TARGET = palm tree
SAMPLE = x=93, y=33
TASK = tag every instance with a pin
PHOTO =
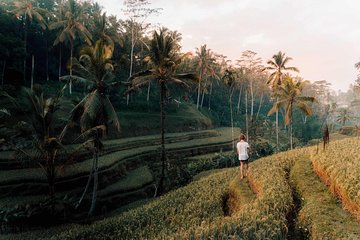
x=205, y=69
x=95, y=111
x=229, y=79
x=278, y=68
x=164, y=59
x=24, y=9
x=40, y=112
x=289, y=96
x=71, y=27
x=344, y=116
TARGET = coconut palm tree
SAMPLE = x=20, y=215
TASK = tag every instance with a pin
x=163, y=61
x=344, y=116
x=278, y=67
x=25, y=10
x=205, y=68
x=229, y=78
x=288, y=95
x=95, y=112
x=71, y=28
x=40, y=114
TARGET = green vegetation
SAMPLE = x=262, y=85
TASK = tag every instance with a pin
x=320, y=216
x=338, y=167
x=111, y=67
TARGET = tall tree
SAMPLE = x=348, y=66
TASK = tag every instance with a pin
x=252, y=65
x=230, y=80
x=205, y=68
x=289, y=96
x=71, y=28
x=163, y=61
x=95, y=112
x=277, y=66
x=137, y=11
x=25, y=11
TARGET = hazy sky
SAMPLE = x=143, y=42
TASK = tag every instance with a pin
x=322, y=36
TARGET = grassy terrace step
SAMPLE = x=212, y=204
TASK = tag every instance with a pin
x=7, y=160
x=339, y=168
x=112, y=160
x=240, y=194
x=321, y=214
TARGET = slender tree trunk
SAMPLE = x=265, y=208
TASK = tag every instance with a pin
x=3, y=73
x=199, y=90
x=32, y=72
x=291, y=136
x=60, y=61
x=148, y=92
x=239, y=100
x=252, y=99
x=246, y=115
x=87, y=184
x=277, y=126
x=203, y=93
x=232, y=121
x=47, y=61
x=95, y=186
x=210, y=94
x=162, y=127
x=131, y=58
x=261, y=100
x=71, y=64
x=25, y=48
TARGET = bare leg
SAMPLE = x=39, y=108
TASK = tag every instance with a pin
x=247, y=169
x=241, y=170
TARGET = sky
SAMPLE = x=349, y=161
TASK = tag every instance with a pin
x=322, y=36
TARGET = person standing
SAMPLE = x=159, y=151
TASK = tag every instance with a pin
x=242, y=150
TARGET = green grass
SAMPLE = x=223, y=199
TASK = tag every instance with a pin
x=321, y=214
x=338, y=166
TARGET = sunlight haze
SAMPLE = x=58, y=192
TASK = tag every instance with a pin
x=321, y=36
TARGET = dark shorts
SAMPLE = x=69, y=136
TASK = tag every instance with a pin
x=245, y=161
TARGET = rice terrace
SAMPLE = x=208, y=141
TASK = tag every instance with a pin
x=155, y=119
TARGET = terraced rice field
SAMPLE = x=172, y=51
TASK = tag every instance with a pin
x=289, y=195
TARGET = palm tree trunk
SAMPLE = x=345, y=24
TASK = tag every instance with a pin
x=252, y=99
x=60, y=62
x=291, y=135
x=261, y=100
x=131, y=58
x=210, y=94
x=148, y=92
x=277, y=127
x=32, y=73
x=3, y=73
x=47, y=61
x=25, y=46
x=246, y=115
x=232, y=122
x=162, y=127
x=239, y=100
x=71, y=64
x=95, y=186
x=203, y=93
x=87, y=185
x=199, y=90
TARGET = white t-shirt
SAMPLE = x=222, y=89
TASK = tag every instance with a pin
x=242, y=148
